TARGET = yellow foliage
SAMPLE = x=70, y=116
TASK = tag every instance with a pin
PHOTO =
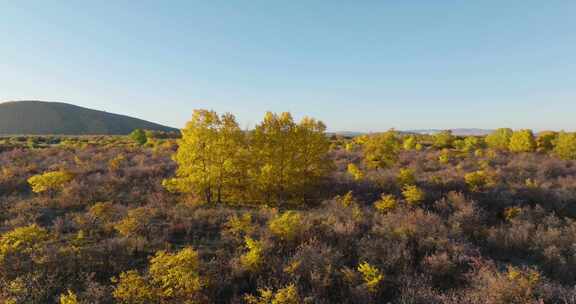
x=287, y=226
x=445, y=156
x=386, y=203
x=413, y=195
x=208, y=156
x=240, y=225
x=565, y=146
x=371, y=275
x=131, y=288
x=443, y=139
x=381, y=150
x=356, y=173
x=406, y=177
x=347, y=199
x=102, y=211
x=499, y=139
x=410, y=143
x=522, y=141
x=68, y=298
x=286, y=295
x=176, y=274
x=22, y=240
x=115, y=163
x=134, y=223
x=253, y=259
x=49, y=181
x=479, y=180
x=289, y=159
x=512, y=212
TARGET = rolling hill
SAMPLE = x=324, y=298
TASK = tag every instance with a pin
x=31, y=117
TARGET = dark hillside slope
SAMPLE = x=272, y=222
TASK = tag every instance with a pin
x=38, y=117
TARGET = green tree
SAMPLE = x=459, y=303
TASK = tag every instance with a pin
x=522, y=141
x=381, y=150
x=545, y=140
x=499, y=139
x=565, y=146
x=139, y=136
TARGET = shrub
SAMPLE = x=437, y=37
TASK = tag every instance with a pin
x=443, y=139
x=381, y=150
x=287, y=226
x=413, y=195
x=139, y=136
x=522, y=141
x=22, y=240
x=386, y=203
x=69, y=298
x=286, y=295
x=240, y=225
x=511, y=213
x=410, y=143
x=347, y=200
x=565, y=146
x=356, y=173
x=253, y=259
x=371, y=275
x=132, y=288
x=499, y=139
x=478, y=180
x=49, y=181
x=445, y=156
x=406, y=177
x=176, y=274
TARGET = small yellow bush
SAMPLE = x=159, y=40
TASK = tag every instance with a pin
x=406, y=177
x=253, y=259
x=413, y=195
x=49, y=181
x=239, y=226
x=287, y=226
x=356, y=173
x=371, y=275
x=132, y=288
x=347, y=200
x=68, y=298
x=478, y=180
x=286, y=295
x=511, y=213
x=176, y=274
x=386, y=203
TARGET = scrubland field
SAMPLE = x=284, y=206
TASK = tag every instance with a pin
x=286, y=214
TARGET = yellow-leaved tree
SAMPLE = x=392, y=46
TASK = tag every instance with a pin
x=522, y=141
x=288, y=159
x=381, y=150
x=565, y=146
x=499, y=139
x=208, y=157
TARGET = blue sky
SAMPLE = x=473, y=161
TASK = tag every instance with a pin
x=356, y=65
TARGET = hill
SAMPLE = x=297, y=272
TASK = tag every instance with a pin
x=30, y=117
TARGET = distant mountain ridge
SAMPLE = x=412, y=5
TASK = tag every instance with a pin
x=457, y=132
x=33, y=117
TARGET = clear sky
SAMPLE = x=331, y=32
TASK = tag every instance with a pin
x=357, y=65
